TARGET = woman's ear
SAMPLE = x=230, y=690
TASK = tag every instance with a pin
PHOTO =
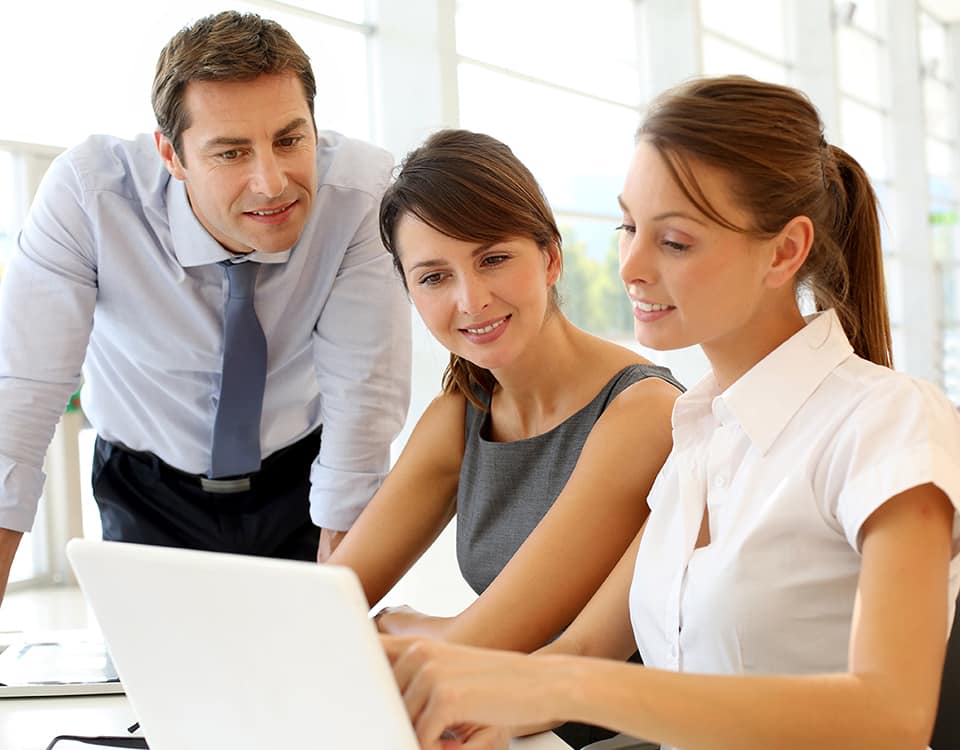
x=554, y=263
x=790, y=250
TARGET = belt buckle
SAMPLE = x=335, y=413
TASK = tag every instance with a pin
x=225, y=486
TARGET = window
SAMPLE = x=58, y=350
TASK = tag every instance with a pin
x=567, y=103
x=745, y=37
x=943, y=165
x=102, y=78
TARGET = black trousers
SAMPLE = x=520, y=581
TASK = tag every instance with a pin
x=144, y=500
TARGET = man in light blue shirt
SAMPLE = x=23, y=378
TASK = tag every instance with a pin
x=122, y=267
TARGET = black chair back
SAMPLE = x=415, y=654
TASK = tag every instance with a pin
x=946, y=731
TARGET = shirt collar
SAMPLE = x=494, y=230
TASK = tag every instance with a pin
x=193, y=244
x=765, y=398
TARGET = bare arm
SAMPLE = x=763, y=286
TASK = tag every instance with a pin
x=412, y=506
x=603, y=629
x=9, y=541
x=580, y=539
x=886, y=699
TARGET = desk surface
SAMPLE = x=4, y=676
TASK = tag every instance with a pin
x=30, y=723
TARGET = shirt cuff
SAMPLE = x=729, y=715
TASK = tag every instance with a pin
x=20, y=489
x=338, y=497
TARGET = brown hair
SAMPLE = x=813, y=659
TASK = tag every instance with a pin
x=470, y=187
x=769, y=139
x=227, y=46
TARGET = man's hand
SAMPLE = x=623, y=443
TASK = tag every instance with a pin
x=329, y=541
x=9, y=541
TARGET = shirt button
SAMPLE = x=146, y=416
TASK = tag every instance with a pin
x=719, y=481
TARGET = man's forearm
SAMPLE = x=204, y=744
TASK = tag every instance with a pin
x=9, y=541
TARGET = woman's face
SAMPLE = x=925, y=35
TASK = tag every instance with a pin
x=690, y=280
x=485, y=303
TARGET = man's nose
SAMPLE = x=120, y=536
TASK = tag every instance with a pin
x=268, y=178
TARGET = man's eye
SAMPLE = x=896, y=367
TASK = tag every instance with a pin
x=230, y=155
x=288, y=141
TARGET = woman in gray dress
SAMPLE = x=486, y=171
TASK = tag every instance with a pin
x=528, y=440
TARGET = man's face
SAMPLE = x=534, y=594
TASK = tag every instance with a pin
x=249, y=160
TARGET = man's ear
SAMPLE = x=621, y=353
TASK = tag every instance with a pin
x=169, y=155
x=790, y=250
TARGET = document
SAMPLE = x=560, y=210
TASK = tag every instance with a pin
x=65, y=664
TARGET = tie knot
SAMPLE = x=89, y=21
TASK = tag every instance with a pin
x=242, y=278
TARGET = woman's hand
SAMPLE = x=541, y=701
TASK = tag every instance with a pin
x=447, y=687
x=407, y=621
x=475, y=737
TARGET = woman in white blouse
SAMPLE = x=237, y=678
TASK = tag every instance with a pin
x=793, y=584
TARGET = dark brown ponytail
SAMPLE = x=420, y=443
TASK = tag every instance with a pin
x=860, y=295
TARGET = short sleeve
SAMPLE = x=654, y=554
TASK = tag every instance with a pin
x=904, y=434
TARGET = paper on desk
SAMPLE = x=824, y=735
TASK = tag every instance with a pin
x=56, y=662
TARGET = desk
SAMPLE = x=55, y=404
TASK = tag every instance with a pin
x=30, y=723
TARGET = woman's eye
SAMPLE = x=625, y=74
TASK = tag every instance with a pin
x=494, y=260
x=626, y=228
x=431, y=279
x=674, y=245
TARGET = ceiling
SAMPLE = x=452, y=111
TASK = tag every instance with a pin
x=945, y=10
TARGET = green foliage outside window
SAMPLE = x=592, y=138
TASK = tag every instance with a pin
x=591, y=292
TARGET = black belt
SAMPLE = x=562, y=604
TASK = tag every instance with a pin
x=302, y=451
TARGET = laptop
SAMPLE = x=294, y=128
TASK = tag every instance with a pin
x=239, y=652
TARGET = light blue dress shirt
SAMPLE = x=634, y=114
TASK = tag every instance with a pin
x=114, y=266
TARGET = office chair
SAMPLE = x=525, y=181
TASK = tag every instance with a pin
x=946, y=730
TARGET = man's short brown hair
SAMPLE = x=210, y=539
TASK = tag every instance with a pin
x=227, y=46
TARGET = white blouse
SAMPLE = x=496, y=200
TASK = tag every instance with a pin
x=790, y=461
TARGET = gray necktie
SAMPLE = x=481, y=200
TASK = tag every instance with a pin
x=236, y=429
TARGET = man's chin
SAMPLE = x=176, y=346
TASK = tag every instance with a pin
x=281, y=242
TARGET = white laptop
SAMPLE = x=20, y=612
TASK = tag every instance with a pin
x=229, y=651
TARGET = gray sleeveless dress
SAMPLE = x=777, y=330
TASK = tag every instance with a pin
x=506, y=488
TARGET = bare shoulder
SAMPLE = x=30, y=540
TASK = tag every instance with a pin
x=648, y=404
x=646, y=392
x=447, y=407
x=438, y=438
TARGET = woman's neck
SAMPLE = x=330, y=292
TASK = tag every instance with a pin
x=734, y=354
x=540, y=384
